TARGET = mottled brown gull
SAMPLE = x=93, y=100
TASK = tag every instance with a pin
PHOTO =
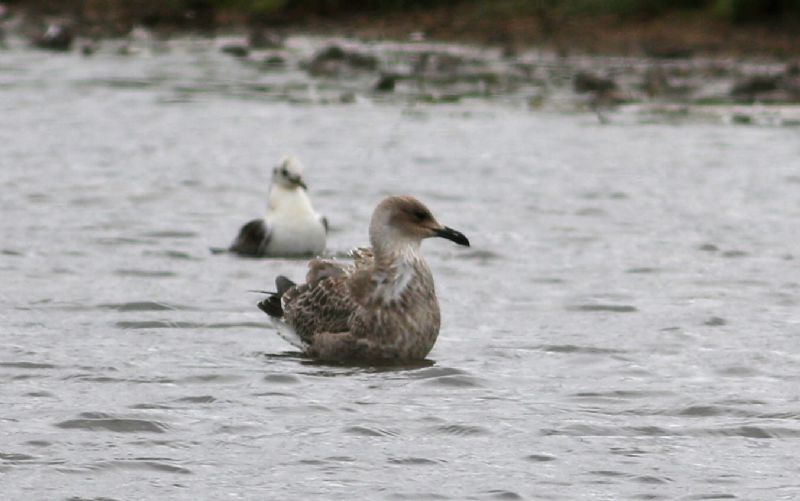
x=382, y=307
x=291, y=227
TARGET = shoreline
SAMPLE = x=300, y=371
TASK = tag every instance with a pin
x=670, y=35
x=377, y=59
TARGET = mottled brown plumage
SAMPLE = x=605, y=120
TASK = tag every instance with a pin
x=383, y=306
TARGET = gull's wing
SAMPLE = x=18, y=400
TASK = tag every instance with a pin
x=326, y=301
x=252, y=239
x=363, y=257
x=324, y=307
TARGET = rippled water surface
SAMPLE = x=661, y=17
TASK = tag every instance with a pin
x=625, y=325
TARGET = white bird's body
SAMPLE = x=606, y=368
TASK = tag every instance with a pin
x=295, y=228
x=291, y=227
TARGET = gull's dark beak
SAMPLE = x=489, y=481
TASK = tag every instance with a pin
x=451, y=234
x=298, y=181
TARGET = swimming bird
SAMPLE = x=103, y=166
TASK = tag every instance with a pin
x=291, y=227
x=382, y=307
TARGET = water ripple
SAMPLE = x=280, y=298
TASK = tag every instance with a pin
x=624, y=394
x=14, y=457
x=435, y=372
x=370, y=431
x=413, y=461
x=145, y=273
x=98, y=421
x=142, y=306
x=28, y=365
x=461, y=430
x=612, y=308
x=501, y=494
x=201, y=399
x=571, y=348
x=178, y=324
x=136, y=464
x=581, y=430
x=282, y=378
x=170, y=234
x=157, y=324
x=454, y=381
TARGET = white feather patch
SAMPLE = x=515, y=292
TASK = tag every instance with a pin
x=393, y=290
x=288, y=334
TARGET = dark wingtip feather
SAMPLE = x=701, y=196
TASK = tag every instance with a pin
x=283, y=284
x=272, y=306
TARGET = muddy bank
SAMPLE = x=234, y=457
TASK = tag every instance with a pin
x=416, y=68
x=660, y=30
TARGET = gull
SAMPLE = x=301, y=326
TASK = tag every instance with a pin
x=382, y=307
x=291, y=227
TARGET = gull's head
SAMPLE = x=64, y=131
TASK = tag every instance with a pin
x=400, y=221
x=289, y=174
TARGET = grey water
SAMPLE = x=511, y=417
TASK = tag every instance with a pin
x=624, y=326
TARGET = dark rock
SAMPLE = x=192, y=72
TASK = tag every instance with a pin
x=327, y=62
x=58, y=36
x=750, y=88
x=510, y=51
x=386, y=83
x=334, y=60
x=665, y=49
x=790, y=82
x=742, y=119
x=657, y=84
x=274, y=61
x=362, y=61
x=235, y=50
x=780, y=89
x=88, y=48
x=261, y=38
x=583, y=81
x=438, y=64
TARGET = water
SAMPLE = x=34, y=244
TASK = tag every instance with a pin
x=624, y=327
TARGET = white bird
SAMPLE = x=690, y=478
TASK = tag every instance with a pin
x=291, y=227
x=383, y=307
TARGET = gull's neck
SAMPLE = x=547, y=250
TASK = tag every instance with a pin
x=289, y=200
x=397, y=263
x=392, y=253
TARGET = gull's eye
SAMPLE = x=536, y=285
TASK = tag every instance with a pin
x=420, y=215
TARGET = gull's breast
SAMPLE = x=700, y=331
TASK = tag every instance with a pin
x=293, y=235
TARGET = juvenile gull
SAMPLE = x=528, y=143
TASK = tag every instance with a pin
x=382, y=307
x=291, y=227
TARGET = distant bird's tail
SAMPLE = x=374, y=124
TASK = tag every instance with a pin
x=272, y=305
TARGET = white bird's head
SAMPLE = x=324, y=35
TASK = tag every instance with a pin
x=403, y=220
x=288, y=174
